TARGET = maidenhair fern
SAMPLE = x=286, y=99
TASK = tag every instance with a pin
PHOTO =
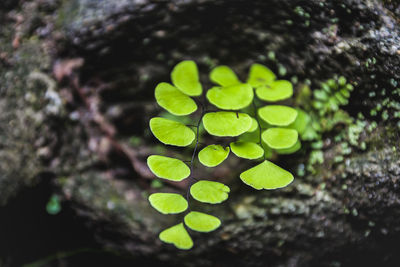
x=254, y=133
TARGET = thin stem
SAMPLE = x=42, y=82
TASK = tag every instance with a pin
x=212, y=110
x=200, y=104
x=194, y=151
x=259, y=126
x=197, y=142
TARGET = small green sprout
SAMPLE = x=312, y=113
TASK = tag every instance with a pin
x=324, y=114
x=333, y=93
x=53, y=206
x=254, y=132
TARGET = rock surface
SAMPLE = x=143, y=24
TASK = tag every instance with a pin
x=77, y=80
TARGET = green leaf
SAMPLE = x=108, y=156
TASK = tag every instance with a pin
x=254, y=125
x=290, y=150
x=266, y=175
x=250, y=136
x=254, y=137
x=201, y=222
x=171, y=132
x=224, y=123
x=178, y=236
x=260, y=76
x=310, y=134
x=233, y=97
x=247, y=150
x=213, y=155
x=168, y=168
x=224, y=76
x=209, y=192
x=185, y=77
x=279, y=138
x=173, y=100
x=301, y=122
x=168, y=203
x=276, y=91
x=278, y=115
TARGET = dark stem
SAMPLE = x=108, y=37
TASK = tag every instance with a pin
x=259, y=127
x=194, y=152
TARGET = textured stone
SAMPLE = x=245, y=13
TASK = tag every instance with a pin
x=347, y=213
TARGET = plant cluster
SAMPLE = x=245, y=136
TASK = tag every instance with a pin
x=324, y=113
x=389, y=108
x=253, y=131
x=332, y=94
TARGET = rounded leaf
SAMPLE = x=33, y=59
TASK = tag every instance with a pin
x=213, y=155
x=178, y=236
x=250, y=136
x=201, y=222
x=290, y=150
x=224, y=76
x=260, y=76
x=266, y=175
x=209, y=192
x=224, y=123
x=168, y=203
x=278, y=115
x=233, y=97
x=168, y=168
x=173, y=100
x=276, y=91
x=171, y=132
x=254, y=125
x=279, y=138
x=185, y=76
x=301, y=122
x=247, y=150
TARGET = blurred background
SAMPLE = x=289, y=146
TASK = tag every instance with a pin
x=77, y=82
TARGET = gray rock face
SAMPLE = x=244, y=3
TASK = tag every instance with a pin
x=345, y=214
x=141, y=41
